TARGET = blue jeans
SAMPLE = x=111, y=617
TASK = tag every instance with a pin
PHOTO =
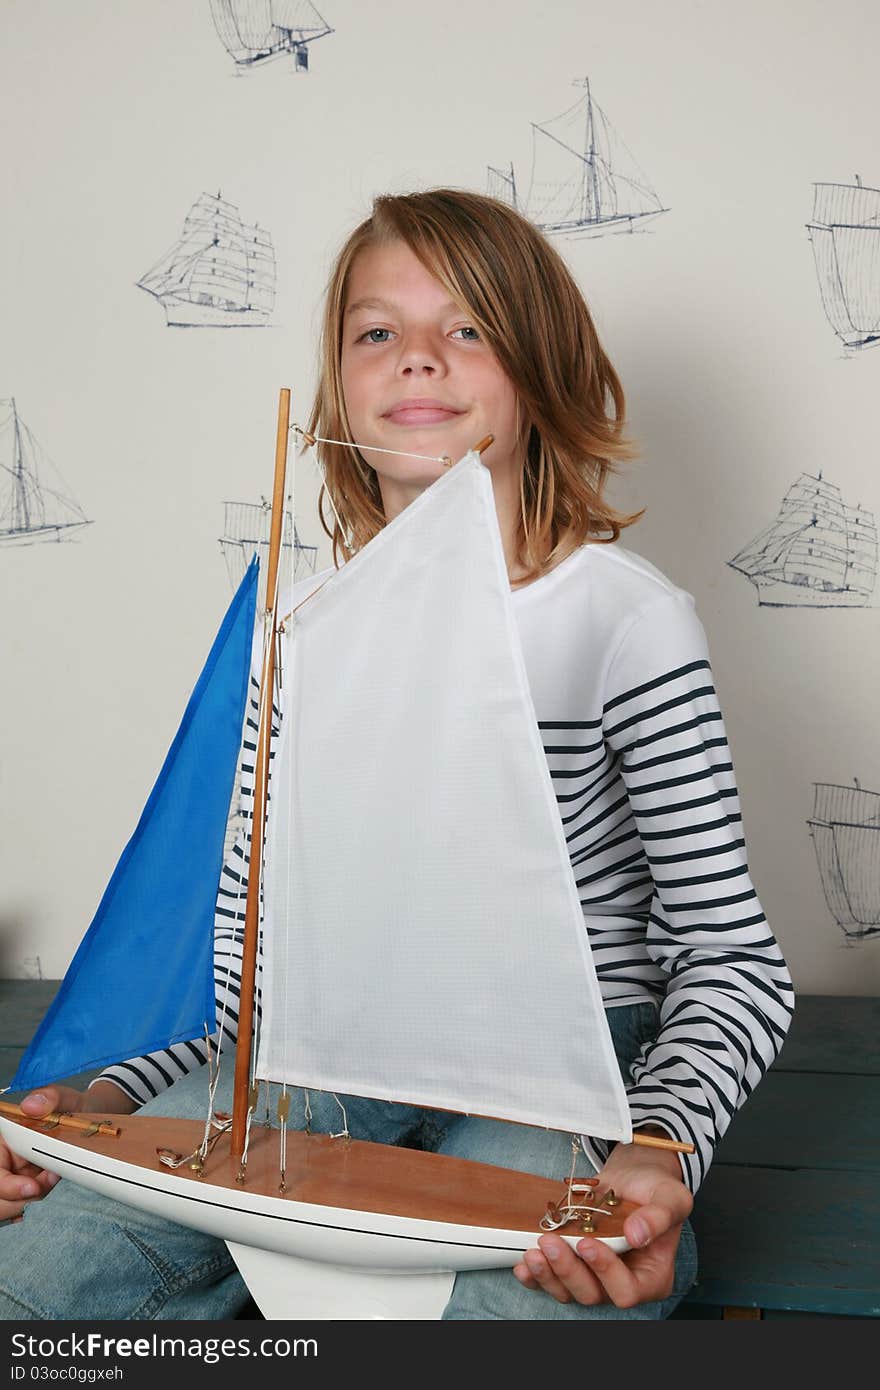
x=80, y=1256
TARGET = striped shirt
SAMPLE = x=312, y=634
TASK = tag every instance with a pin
x=621, y=682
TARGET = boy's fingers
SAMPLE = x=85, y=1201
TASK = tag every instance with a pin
x=42, y=1102
x=569, y=1277
x=649, y=1222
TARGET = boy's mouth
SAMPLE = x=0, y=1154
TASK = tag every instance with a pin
x=419, y=410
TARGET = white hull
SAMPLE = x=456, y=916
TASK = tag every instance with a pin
x=328, y=1256
x=284, y=1286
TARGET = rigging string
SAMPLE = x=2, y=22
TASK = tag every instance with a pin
x=214, y=1067
x=267, y=701
x=559, y=1214
x=269, y=634
x=214, y=1064
x=284, y=1098
x=310, y=439
x=197, y=1158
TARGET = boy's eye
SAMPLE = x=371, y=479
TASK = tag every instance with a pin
x=470, y=334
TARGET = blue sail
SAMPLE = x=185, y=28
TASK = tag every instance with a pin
x=143, y=975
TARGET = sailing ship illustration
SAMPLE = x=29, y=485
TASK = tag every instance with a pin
x=246, y=532
x=255, y=31
x=220, y=273
x=397, y=926
x=35, y=505
x=845, y=235
x=501, y=184
x=819, y=552
x=845, y=827
x=584, y=181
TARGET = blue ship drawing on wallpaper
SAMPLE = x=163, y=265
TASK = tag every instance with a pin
x=845, y=236
x=845, y=826
x=819, y=552
x=220, y=273
x=584, y=181
x=246, y=533
x=35, y=504
x=255, y=31
x=501, y=184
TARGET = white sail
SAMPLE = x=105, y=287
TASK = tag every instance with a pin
x=414, y=826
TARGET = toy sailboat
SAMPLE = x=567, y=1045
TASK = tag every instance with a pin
x=35, y=506
x=418, y=905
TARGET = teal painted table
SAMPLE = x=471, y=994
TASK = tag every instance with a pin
x=788, y=1220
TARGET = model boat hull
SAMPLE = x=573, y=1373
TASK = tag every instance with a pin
x=360, y=1206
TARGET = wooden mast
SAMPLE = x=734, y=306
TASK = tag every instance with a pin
x=241, y=1092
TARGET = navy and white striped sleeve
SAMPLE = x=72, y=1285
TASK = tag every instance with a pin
x=729, y=998
x=141, y=1078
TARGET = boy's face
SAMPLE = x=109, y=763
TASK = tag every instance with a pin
x=417, y=376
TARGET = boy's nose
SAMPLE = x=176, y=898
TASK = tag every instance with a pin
x=419, y=353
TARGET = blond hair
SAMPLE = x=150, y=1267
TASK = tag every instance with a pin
x=531, y=313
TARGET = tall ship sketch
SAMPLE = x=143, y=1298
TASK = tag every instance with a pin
x=220, y=273
x=584, y=181
x=254, y=31
x=845, y=826
x=818, y=553
x=246, y=527
x=246, y=533
x=845, y=236
x=501, y=184
x=34, y=503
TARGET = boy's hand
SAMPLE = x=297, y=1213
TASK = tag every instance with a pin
x=20, y=1180
x=592, y=1272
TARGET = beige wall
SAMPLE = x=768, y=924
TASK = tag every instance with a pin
x=120, y=115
